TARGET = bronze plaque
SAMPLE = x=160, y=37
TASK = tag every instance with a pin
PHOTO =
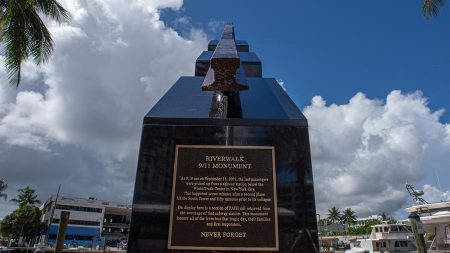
x=224, y=198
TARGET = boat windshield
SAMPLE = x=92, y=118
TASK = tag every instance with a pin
x=402, y=229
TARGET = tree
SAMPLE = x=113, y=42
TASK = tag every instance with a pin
x=368, y=225
x=24, y=34
x=324, y=222
x=388, y=219
x=3, y=187
x=383, y=216
x=349, y=216
x=6, y=226
x=27, y=196
x=24, y=221
x=334, y=215
x=430, y=8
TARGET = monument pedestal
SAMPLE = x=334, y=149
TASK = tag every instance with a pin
x=221, y=183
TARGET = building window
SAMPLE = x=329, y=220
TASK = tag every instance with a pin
x=79, y=208
x=80, y=222
x=401, y=244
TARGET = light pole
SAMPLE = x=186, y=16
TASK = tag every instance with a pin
x=320, y=226
x=51, y=215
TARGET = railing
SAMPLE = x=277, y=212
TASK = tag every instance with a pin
x=115, y=233
x=382, y=235
x=114, y=224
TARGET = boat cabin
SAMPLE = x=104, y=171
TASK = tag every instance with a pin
x=388, y=237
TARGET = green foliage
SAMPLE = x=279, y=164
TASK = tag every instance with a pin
x=368, y=225
x=24, y=34
x=349, y=216
x=430, y=8
x=333, y=233
x=27, y=196
x=388, y=219
x=3, y=187
x=324, y=222
x=364, y=229
x=24, y=221
x=6, y=226
x=334, y=215
x=383, y=216
x=357, y=230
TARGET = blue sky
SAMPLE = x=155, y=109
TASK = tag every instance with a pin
x=335, y=49
x=77, y=120
x=338, y=48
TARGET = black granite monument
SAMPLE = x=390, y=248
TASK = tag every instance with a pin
x=224, y=163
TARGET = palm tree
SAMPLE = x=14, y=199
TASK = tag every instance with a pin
x=334, y=215
x=430, y=8
x=349, y=216
x=26, y=196
x=23, y=33
x=3, y=187
x=388, y=219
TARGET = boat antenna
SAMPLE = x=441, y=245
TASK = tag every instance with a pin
x=416, y=194
x=438, y=181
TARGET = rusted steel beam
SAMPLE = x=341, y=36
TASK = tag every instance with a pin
x=225, y=73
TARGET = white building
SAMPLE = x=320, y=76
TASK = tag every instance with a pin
x=90, y=221
x=362, y=221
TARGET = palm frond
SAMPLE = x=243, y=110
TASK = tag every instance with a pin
x=53, y=9
x=430, y=8
x=3, y=187
x=24, y=33
x=41, y=44
x=15, y=40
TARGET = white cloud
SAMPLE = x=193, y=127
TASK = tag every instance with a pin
x=281, y=83
x=23, y=125
x=77, y=120
x=82, y=113
x=95, y=97
x=364, y=152
x=216, y=26
x=433, y=194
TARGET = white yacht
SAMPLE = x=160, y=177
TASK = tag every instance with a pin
x=386, y=238
x=435, y=218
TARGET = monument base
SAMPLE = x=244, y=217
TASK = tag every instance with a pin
x=154, y=182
